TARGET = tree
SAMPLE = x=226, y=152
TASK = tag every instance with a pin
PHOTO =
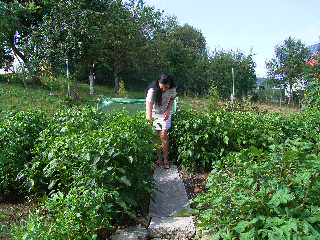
x=312, y=70
x=80, y=31
x=16, y=20
x=245, y=74
x=124, y=40
x=285, y=69
x=182, y=50
x=64, y=34
x=221, y=64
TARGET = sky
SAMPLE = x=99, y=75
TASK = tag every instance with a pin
x=248, y=25
x=257, y=25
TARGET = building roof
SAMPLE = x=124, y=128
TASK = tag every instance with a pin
x=315, y=49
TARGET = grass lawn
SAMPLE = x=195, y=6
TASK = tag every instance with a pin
x=52, y=95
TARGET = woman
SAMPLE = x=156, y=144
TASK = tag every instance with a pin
x=160, y=97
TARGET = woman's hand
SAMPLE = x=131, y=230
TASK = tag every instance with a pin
x=166, y=115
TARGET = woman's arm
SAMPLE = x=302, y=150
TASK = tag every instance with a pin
x=167, y=112
x=149, y=106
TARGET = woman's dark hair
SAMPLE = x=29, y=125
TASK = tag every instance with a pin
x=163, y=79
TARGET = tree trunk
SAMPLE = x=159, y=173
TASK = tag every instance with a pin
x=91, y=78
x=24, y=81
x=74, y=77
x=15, y=50
x=290, y=94
x=116, y=79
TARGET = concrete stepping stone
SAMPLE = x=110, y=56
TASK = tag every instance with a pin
x=171, y=228
x=169, y=201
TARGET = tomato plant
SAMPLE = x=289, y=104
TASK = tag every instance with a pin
x=93, y=167
x=261, y=195
x=18, y=133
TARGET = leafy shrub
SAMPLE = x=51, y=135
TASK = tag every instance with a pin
x=212, y=99
x=312, y=97
x=198, y=140
x=18, y=132
x=261, y=195
x=74, y=215
x=192, y=138
x=84, y=147
x=305, y=125
x=95, y=168
x=122, y=92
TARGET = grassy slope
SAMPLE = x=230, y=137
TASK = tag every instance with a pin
x=52, y=95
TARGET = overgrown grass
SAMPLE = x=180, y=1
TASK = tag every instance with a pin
x=51, y=95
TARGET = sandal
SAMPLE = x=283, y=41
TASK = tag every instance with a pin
x=166, y=165
x=156, y=164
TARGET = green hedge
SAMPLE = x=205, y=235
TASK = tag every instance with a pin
x=198, y=140
x=18, y=133
x=256, y=194
x=92, y=168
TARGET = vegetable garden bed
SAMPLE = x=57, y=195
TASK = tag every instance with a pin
x=91, y=170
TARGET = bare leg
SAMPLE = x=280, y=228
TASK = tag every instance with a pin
x=159, y=160
x=163, y=134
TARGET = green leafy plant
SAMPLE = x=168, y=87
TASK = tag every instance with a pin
x=84, y=147
x=95, y=169
x=212, y=99
x=261, y=195
x=18, y=133
x=122, y=92
x=201, y=139
x=75, y=215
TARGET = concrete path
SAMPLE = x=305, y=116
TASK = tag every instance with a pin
x=170, y=200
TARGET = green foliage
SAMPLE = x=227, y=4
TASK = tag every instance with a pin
x=18, y=133
x=287, y=67
x=122, y=92
x=185, y=54
x=95, y=168
x=74, y=215
x=220, y=72
x=89, y=148
x=16, y=19
x=259, y=195
x=312, y=98
x=198, y=140
x=212, y=99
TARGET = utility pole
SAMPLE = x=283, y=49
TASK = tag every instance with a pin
x=232, y=95
x=69, y=93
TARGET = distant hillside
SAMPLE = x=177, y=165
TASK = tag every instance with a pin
x=260, y=81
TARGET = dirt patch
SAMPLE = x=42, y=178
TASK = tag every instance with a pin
x=194, y=183
x=14, y=208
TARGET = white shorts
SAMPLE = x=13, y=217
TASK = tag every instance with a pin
x=159, y=122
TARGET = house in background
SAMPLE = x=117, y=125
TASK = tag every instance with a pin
x=315, y=50
x=313, y=60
